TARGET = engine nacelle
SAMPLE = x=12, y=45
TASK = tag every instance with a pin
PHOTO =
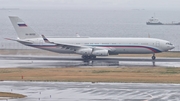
x=100, y=53
x=84, y=51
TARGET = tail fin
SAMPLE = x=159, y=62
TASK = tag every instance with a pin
x=22, y=29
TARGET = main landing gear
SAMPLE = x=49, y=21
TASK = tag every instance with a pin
x=153, y=57
x=88, y=57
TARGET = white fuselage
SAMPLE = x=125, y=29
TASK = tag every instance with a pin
x=86, y=46
x=113, y=45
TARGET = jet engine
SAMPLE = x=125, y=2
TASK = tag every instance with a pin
x=100, y=53
x=90, y=51
x=84, y=51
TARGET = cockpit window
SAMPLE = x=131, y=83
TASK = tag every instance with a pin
x=169, y=43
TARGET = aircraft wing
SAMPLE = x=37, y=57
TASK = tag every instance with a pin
x=65, y=45
x=81, y=49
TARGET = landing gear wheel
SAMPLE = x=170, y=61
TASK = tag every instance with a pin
x=93, y=57
x=88, y=57
x=153, y=57
x=83, y=56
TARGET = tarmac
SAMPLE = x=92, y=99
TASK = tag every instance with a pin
x=86, y=91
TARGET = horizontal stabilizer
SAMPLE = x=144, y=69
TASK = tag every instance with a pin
x=23, y=42
x=11, y=39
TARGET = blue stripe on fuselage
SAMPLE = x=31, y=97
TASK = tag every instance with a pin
x=128, y=46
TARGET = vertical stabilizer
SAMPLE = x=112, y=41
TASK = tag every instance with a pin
x=22, y=29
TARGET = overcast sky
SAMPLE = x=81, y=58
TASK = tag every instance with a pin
x=92, y=4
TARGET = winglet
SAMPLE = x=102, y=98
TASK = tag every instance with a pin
x=77, y=35
x=46, y=40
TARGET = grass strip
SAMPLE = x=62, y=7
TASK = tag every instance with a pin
x=94, y=74
x=11, y=95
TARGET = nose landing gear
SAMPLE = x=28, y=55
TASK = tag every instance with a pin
x=153, y=57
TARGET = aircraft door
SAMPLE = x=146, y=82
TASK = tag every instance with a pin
x=40, y=42
x=157, y=44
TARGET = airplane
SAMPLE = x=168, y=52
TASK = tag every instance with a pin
x=88, y=47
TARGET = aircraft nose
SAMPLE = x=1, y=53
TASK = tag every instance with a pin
x=172, y=47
